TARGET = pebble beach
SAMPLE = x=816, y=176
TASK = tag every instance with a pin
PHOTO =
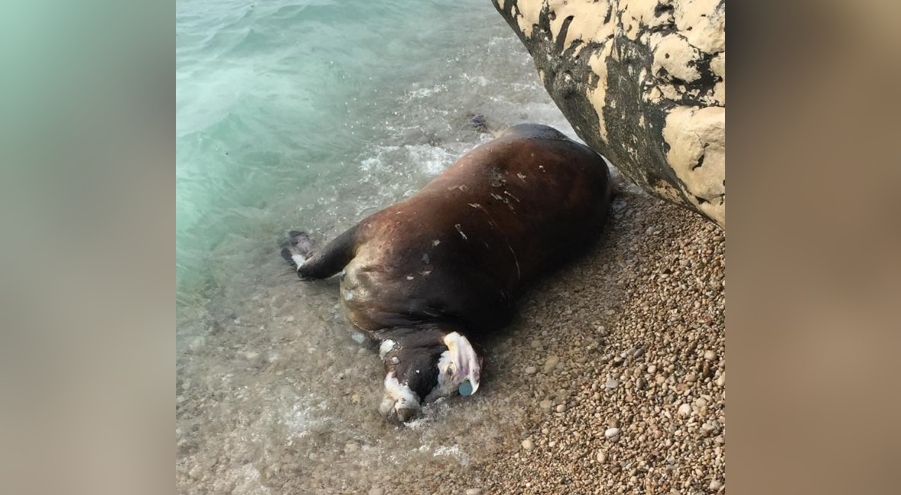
x=623, y=355
x=610, y=380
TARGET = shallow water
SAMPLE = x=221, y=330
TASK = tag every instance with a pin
x=311, y=115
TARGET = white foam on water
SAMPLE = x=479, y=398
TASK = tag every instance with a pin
x=430, y=160
x=453, y=451
x=425, y=92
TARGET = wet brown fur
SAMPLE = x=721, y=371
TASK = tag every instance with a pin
x=459, y=251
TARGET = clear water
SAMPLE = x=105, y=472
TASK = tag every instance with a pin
x=311, y=114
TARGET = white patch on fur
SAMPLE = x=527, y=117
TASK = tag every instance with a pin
x=446, y=386
x=298, y=260
x=385, y=347
x=397, y=396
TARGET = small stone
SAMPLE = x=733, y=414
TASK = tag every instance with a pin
x=474, y=491
x=551, y=363
x=351, y=447
x=652, y=369
x=531, y=370
x=253, y=357
x=708, y=428
x=561, y=408
x=611, y=384
x=691, y=378
x=289, y=319
x=376, y=491
x=612, y=433
x=609, y=312
x=710, y=355
x=546, y=404
x=355, y=398
x=684, y=410
x=601, y=457
x=528, y=444
x=715, y=485
x=721, y=380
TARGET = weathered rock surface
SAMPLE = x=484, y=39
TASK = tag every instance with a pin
x=642, y=82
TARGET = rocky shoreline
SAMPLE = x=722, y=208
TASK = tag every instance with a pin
x=611, y=380
x=630, y=397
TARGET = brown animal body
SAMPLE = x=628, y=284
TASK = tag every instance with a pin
x=445, y=265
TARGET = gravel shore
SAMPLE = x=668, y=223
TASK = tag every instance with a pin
x=636, y=401
x=611, y=380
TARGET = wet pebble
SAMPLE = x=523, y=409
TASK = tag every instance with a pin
x=531, y=370
x=684, y=410
x=612, y=433
x=601, y=457
x=561, y=408
x=551, y=363
x=528, y=444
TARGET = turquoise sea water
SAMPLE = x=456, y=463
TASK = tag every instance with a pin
x=310, y=113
